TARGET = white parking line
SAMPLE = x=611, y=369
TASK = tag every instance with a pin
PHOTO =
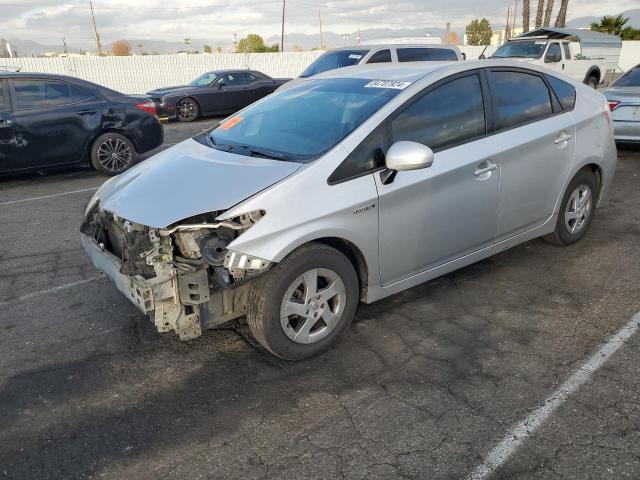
x=518, y=434
x=29, y=296
x=33, y=199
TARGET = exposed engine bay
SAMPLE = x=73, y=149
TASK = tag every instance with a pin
x=183, y=276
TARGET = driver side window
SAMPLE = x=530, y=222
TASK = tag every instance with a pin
x=553, y=52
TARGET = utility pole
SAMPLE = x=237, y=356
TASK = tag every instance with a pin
x=506, y=29
x=284, y=2
x=345, y=36
x=515, y=12
x=64, y=42
x=95, y=29
x=235, y=43
x=320, y=24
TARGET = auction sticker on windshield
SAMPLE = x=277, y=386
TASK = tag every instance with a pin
x=396, y=84
x=232, y=122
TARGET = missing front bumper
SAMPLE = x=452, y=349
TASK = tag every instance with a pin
x=185, y=303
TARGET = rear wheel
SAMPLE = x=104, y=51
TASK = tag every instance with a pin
x=577, y=209
x=112, y=153
x=187, y=110
x=301, y=306
x=592, y=81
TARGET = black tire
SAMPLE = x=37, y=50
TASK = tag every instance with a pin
x=187, y=110
x=562, y=235
x=592, y=81
x=267, y=293
x=112, y=153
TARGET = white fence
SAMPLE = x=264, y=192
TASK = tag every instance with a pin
x=139, y=74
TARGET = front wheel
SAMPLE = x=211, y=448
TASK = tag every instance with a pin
x=301, y=306
x=187, y=110
x=577, y=209
x=112, y=153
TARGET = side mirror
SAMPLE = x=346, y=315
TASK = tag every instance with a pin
x=464, y=55
x=404, y=156
x=221, y=84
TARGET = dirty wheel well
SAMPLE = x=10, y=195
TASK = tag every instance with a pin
x=355, y=256
x=595, y=169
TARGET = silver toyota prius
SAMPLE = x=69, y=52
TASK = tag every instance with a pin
x=349, y=187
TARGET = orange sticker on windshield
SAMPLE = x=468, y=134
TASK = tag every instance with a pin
x=232, y=122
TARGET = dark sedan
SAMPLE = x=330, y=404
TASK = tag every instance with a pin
x=221, y=92
x=52, y=120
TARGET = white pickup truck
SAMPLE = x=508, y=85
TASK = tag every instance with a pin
x=591, y=60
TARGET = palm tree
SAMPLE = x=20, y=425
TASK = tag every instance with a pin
x=547, y=13
x=539, y=13
x=611, y=25
x=561, y=19
x=525, y=15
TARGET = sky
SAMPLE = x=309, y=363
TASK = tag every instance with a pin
x=47, y=21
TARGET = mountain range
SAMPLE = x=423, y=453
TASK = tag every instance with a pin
x=301, y=40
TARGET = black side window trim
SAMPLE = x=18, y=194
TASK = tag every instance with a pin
x=556, y=108
x=12, y=94
x=6, y=106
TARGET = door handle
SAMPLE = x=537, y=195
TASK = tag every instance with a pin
x=489, y=168
x=564, y=137
x=86, y=112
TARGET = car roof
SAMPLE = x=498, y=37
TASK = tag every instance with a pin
x=413, y=71
x=393, y=45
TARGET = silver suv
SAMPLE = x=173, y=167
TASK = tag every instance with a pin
x=354, y=185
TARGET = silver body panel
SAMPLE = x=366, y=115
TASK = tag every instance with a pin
x=626, y=116
x=424, y=224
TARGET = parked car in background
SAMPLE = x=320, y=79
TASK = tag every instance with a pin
x=52, y=120
x=550, y=47
x=351, y=186
x=219, y=92
x=382, y=53
x=624, y=102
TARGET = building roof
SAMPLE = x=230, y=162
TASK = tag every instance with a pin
x=587, y=38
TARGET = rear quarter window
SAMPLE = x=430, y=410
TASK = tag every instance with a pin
x=564, y=91
x=426, y=55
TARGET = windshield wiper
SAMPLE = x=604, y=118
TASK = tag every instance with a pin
x=251, y=151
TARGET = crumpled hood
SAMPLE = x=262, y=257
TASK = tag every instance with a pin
x=168, y=90
x=185, y=180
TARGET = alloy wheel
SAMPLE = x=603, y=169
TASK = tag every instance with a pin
x=114, y=154
x=313, y=305
x=187, y=110
x=578, y=209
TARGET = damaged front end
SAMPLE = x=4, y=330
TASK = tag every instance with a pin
x=183, y=276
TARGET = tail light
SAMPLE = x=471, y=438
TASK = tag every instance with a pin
x=148, y=107
x=613, y=104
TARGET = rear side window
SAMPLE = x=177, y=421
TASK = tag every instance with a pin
x=519, y=98
x=383, y=56
x=564, y=91
x=46, y=93
x=446, y=116
x=426, y=55
x=367, y=156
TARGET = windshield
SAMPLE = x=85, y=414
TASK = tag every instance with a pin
x=629, y=79
x=333, y=60
x=204, y=80
x=304, y=122
x=521, y=49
